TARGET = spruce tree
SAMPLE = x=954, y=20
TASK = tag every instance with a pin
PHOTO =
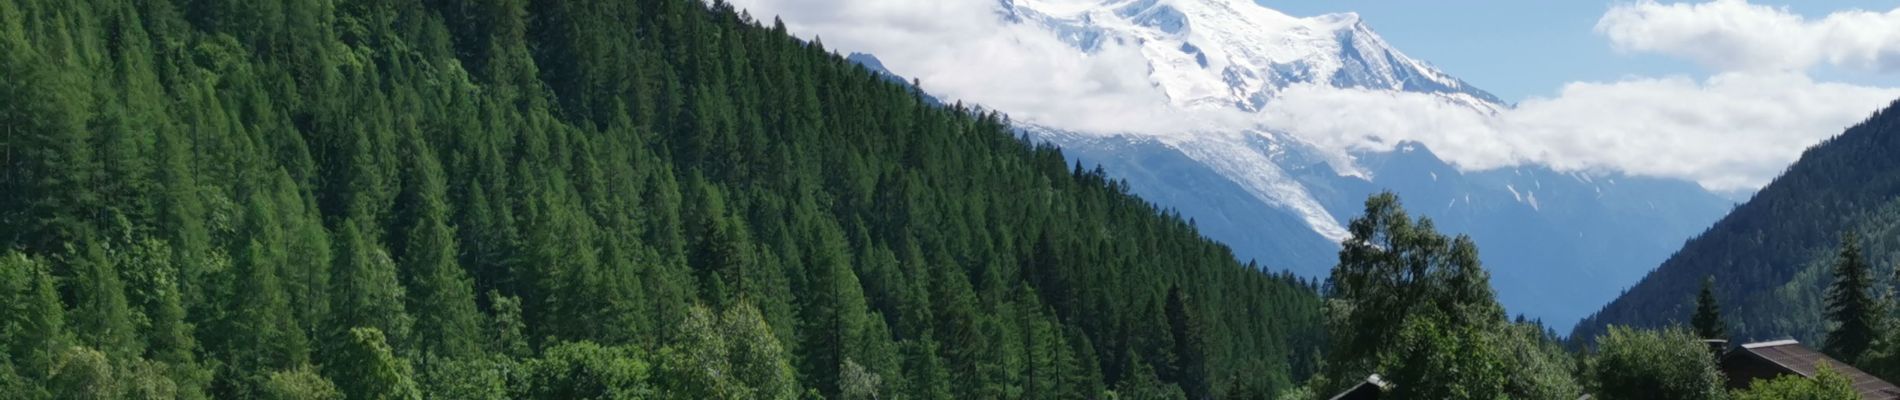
x=440, y=295
x=259, y=333
x=1850, y=304
x=102, y=317
x=1708, y=315
x=33, y=324
x=364, y=290
x=1190, y=362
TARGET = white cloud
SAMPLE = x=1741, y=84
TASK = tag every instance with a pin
x=1733, y=35
x=1731, y=131
x=1734, y=130
x=962, y=49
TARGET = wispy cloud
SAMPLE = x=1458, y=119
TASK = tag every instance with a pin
x=1735, y=129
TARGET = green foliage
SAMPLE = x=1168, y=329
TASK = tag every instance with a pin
x=1415, y=307
x=84, y=373
x=1541, y=368
x=302, y=383
x=1824, y=385
x=1636, y=364
x=366, y=369
x=583, y=370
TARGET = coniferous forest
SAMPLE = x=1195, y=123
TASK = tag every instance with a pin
x=631, y=199
x=314, y=199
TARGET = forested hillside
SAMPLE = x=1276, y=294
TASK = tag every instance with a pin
x=1771, y=257
x=568, y=199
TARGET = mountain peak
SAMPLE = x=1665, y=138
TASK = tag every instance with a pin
x=1343, y=19
x=1238, y=54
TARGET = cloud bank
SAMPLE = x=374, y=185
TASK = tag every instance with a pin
x=1732, y=130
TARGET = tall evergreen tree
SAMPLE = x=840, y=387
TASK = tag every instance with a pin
x=1708, y=314
x=1190, y=363
x=102, y=317
x=1850, y=303
x=259, y=332
x=365, y=291
x=440, y=293
x=33, y=326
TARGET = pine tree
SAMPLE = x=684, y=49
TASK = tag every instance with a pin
x=440, y=295
x=721, y=254
x=833, y=312
x=153, y=277
x=507, y=329
x=1708, y=315
x=929, y=377
x=49, y=168
x=1850, y=304
x=364, y=290
x=102, y=317
x=1190, y=363
x=260, y=331
x=33, y=325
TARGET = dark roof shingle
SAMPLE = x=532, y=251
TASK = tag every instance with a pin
x=1798, y=359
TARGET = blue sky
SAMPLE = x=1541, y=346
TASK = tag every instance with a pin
x=1519, y=48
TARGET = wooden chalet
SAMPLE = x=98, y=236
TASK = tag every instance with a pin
x=1769, y=360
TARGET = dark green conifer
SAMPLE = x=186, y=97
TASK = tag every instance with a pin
x=364, y=290
x=1708, y=314
x=1850, y=303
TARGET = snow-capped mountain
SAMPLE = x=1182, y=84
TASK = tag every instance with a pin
x=1234, y=53
x=1558, y=243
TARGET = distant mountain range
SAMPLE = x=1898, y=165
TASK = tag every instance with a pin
x=1559, y=243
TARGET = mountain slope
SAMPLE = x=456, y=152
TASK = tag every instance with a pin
x=1565, y=241
x=568, y=199
x=1770, y=256
x=1558, y=244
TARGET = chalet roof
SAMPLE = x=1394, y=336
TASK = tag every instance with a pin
x=1368, y=389
x=1795, y=358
